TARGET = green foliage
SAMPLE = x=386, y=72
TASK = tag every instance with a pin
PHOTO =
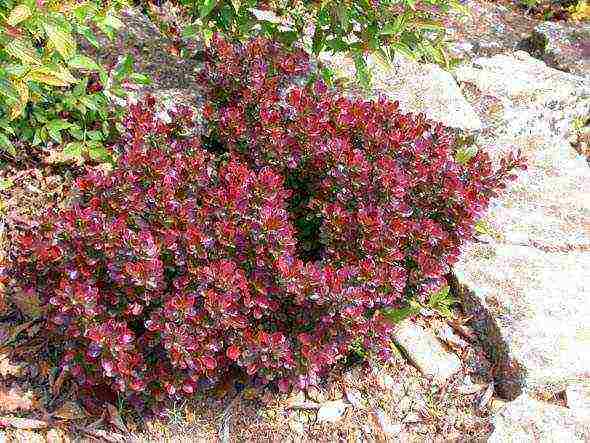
x=440, y=302
x=48, y=89
x=355, y=27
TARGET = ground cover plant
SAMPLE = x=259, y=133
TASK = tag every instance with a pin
x=274, y=245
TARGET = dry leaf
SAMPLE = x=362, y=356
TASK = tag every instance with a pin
x=70, y=411
x=115, y=418
x=486, y=396
x=57, y=436
x=13, y=332
x=22, y=423
x=7, y=368
x=59, y=381
x=13, y=399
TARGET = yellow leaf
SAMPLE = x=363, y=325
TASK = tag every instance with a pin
x=18, y=14
x=47, y=76
x=18, y=108
x=62, y=40
x=23, y=50
x=70, y=411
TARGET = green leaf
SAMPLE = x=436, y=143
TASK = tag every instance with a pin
x=19, y=14
x=58, y=124
x=83, y=62
x=464, y=154
x=362, y=70
x=207, y=7
x=8, y=90
x=7, y=145
x=5, y=183
x=400, y=314
x=99, y=152
x=23, y=51
x=61, y=39
x=89, y=35
x=318, y=41
x=125, y=67
x=73, y=151
x=55, y=135
x=190, y=31
x=140, y=79
x=396, y=27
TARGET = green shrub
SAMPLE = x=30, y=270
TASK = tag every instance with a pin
x=351, y=26
x=49, y=90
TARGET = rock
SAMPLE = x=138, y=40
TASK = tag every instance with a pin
x=56, y=436
x=383, y=423
x=419, y=88
x=578, y=398
x=331, y=411
x=526, y=420
x=487, y=28
x=296, y=426
x=173, y=77
x=354, y=397
x=530, y=97
x=446, y=333
x=425, y=351
x=565, y=46
x=529, y=285
x=412, y=417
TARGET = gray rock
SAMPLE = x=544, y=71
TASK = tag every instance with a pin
x=425, y=351
x=533, y=98
x=526, y=420
x=384, y=423
x=419, y=88
x=565, y=46
x=530, y=282
x=578, y=398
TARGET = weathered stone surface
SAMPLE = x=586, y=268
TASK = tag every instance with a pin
x=487, y=28
x=173, y=77
x=425, y=351
x=565, y=46
x=530, y=280
x=419, y=88
x=426, y=88
x=526, y=420
x=534, y=98
x=331, y=411
x=578, y=398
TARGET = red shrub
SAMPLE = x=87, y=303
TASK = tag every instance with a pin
x=179, y=264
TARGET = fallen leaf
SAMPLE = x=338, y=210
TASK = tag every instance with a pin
x=13, y=331
x=23, y=423
x=59, y=381
x=115, y=418
x=13, y=399
x=486, y=396
x=56, y=436
x=70, y=411
x=7, y=368
x=105, y=435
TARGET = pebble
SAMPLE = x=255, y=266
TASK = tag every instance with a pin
x=331, y=411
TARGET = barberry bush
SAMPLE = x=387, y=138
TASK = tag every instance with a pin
x=273, y=245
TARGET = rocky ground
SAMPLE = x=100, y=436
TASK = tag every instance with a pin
x=511, y=365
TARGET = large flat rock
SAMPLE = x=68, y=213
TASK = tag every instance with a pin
x=530, y=279
x=418, y=87
x=527, y=420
